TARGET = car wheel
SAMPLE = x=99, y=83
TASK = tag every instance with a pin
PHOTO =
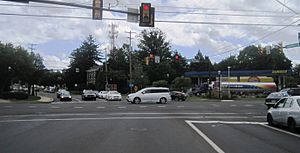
x=291, y=125
x=137, y=100
x=163, y=100
x=270, y=119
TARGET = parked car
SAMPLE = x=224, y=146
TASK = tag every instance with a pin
x=65, y=95
x=88, y=95
x=113, y=95
x=286, y=112
x=59, y=92
x=152, y=94
x=197, y=91
x=177, y=95
x=272, y=98
x=102, y=94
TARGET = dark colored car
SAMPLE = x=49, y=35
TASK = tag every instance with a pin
x=177, y=95
x=274, y=97
x=89, y=95
x=65, y=95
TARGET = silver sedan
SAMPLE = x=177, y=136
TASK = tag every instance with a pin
x=286, y=112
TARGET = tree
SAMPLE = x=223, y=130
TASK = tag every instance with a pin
x=181, y=83
x=16, y=64
x=201, y=63
x=82, y=59
x=231, y=61
x=153, y=41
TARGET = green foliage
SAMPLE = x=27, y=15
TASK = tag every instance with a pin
x=160, y=83
x=201, y=63
x=181, y=83
x=82, y=58
x=16, y=64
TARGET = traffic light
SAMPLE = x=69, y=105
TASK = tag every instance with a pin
x=177, y=57
x=97, y=9
x=151, y=56
x=147, y=60
x=147, y=15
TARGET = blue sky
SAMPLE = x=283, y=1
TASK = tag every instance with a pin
x=56, y=38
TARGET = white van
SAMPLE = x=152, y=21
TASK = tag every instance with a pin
x=152, y=94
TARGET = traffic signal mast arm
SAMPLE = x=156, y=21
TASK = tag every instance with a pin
x=71, y=4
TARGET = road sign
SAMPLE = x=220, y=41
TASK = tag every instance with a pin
x=292, y=45
x=133, y=16
x=131, y=85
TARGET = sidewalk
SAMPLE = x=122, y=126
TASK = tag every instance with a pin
x=45, y=99
x=4, y=101
x=42, y=100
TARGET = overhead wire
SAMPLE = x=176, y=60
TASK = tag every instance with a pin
x=263, y=37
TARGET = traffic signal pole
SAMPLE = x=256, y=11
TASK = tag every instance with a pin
x=72, y=5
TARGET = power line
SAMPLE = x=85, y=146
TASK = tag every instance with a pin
x=160, y=21
x=265, y=36
x=287, y=7
x=222, y=14
x=161, y=12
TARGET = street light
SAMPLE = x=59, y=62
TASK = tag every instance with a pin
x=229, y=94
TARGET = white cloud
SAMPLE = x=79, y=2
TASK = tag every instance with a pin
x=216, y=38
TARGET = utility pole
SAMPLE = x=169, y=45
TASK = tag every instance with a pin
x=106, y=77
x=113, y=34
x=130, y=59
x=32, y=47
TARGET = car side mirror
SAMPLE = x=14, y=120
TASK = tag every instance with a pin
x=143, y=92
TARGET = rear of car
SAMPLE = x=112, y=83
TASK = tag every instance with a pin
x=102, y=94
x=286, y=112
x=177, y=95
x=274, y=97
x=113, y=95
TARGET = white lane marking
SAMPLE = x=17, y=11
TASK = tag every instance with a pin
x=180, y=106
x=232, y=105
x=46, y=115
x=78, y=107
x=248, y=105
x=173, y=113
x=227, y=100
x=215, y=105
x=7, y=106
x=209, y=141
x=55, y=107
x=228, y=122
x=264, y=124
x=143, y=106
x=161, y=106
x=31, y=106
x=122, y=107
x=77, y=99
x=286, y=132
x=100, y=107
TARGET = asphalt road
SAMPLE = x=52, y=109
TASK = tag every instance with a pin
x=121, y=127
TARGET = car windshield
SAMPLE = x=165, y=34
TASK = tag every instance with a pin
x=113, y=92
x=104, y=92
x=90, y=92
x=275, y=95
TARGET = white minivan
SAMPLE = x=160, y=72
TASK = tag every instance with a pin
x=151, y=94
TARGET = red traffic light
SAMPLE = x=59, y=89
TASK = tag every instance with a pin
x=146, y=7
x=177, y=57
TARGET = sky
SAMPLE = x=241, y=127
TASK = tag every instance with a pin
x=55, y=38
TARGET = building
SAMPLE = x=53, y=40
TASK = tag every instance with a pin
x=92, y=74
